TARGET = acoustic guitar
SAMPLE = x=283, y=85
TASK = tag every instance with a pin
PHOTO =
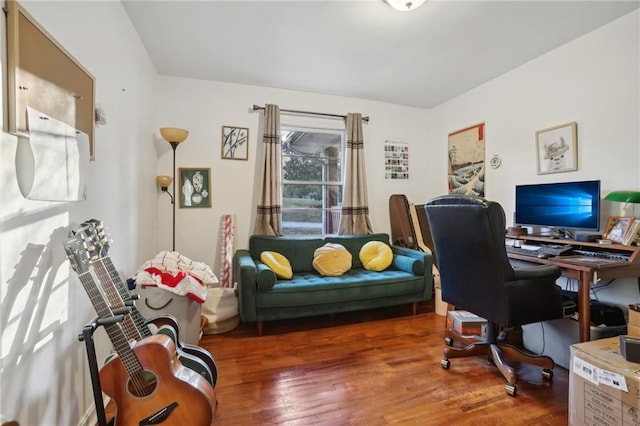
x=146, y=381
x=98, y=244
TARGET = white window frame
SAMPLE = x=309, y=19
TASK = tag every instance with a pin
x=318, y=126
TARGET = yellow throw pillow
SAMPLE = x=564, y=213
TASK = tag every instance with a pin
x=376, y=256
x=332, y=260
x=277, y=263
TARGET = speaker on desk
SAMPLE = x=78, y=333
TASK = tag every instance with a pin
x=587, y=237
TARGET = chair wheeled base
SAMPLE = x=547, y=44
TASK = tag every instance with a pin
x=496, y=353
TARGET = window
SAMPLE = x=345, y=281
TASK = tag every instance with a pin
x=311, y=180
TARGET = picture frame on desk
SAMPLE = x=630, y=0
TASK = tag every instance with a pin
x=632, y=233
x=617, y=228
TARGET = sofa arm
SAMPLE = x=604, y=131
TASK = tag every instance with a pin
x=401, y=253
x=246, y=271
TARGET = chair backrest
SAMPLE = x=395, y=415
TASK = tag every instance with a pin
x=468, y=235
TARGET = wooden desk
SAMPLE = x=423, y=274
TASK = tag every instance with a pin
x=585, y=272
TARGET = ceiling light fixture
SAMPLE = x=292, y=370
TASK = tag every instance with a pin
x=405, y=5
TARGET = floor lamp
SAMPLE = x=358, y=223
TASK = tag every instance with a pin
x=174, y=136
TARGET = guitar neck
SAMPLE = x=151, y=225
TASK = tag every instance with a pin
x=137, y=318
x=115, y=300
x=116, y=335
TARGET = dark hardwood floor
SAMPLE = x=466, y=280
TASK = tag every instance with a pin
x=374, y=367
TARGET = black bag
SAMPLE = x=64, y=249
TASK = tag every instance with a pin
x=608, y=315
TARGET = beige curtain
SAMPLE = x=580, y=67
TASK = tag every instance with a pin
x=269, y=209
x=355, y=206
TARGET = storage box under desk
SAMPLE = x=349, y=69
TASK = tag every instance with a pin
x=554, y=338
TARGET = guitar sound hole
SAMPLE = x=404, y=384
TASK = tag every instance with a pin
x=142, y=385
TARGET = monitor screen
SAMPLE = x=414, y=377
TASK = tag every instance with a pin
x=562, y=205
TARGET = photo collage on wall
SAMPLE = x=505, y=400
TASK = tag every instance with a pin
x=396, y=159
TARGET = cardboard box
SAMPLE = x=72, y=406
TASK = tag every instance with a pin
x=634, y=323
x=633, y=331
x=603, y=386
x=465, y=322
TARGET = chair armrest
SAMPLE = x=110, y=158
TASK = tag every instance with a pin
x=537, y=272
x=246, y=271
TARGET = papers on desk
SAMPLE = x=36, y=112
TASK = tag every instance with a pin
x=511, y=243
x=592, y=261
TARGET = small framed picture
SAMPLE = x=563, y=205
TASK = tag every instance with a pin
x=557, y=148
x=617, y=228
x=195, y=187
x=235, y=143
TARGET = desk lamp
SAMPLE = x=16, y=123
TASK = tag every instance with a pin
x=174, y=136
x=632, y=197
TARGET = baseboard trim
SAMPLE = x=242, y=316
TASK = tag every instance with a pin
x=90, y=417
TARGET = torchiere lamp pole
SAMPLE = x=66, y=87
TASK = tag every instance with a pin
x=174, y=136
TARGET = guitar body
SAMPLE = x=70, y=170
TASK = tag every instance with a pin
x=187, y=359
x=166, y=324
x=190, y=361
x=177, y=396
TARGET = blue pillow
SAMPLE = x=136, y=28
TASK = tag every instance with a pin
x=408, y=264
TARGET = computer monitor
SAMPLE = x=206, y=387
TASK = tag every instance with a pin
x=560, y=206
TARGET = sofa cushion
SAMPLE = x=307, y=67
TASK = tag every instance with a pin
x=299, y=251
x=376, y=256
x=309, y=289
x=331, y=260
x=277, y=263
x=353, y=243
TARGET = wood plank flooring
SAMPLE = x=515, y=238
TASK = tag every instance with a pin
x=376, y=367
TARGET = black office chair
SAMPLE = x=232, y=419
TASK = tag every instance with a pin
x=469, y=239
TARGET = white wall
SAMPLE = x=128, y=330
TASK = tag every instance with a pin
x=44, y=376
x=203, y=107
x=593, y=81
x=44, y=379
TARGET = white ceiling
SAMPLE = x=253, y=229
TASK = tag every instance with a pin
x=361, y=49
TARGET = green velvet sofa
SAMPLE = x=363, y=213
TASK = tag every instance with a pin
x=263, y=297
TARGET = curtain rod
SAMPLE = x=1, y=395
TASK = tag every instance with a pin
x=293, y=111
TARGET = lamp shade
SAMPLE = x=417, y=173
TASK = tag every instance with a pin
x=163, y=181
x=405, y=5
x=174, y=134
x=624, y=196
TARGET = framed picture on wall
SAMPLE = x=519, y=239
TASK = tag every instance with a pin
x=557, y=149
x=195, y=187
x=466, y=149
x=235, y=143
